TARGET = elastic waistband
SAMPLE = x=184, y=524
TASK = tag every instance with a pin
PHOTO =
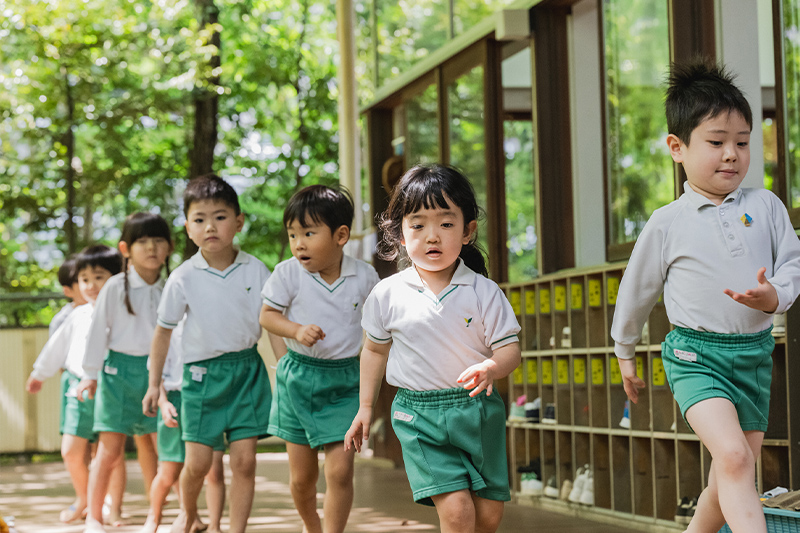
x=741, y=340
x=437, y=398
x=231, y=357
x=325, y=363
x=132, y=358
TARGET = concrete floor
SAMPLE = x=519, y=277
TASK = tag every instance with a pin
x=35, y=493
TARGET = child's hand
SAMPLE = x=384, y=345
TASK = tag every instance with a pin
x=359, y=429
x=479, y=377
x=630, y=381
x=86, y=385
x=33, y=385
x=763, y=297
x=169, y=414
x=150, y=402
x=309, y=334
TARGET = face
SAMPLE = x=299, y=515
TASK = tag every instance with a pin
x=212, y=225
x=317, y=247
x=147, y=253
x=91, y=280
x=433, y=237
x=717, y=157
x=73, y=292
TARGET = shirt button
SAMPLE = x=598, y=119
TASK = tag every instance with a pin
x=731, y=237
x=725, y=224
x=722, y=212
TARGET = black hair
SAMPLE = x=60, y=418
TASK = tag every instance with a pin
x=698, y=90
x=428, y=187
x=99, y=255
x=332, y=206
x=135, y=227
x=210, y=187
x=67, y=274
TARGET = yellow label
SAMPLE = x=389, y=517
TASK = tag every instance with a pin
x=515, y=302
x=547, y=372
x=612, y=286
x=530, y=302
x=614, y=374
x=533, y=371
x=579, y=371
x=598, y=371
x=518, y=376
x=640, y=366
x=595, y=293
x=544, y=301
x=562, y=369
x=576, y=295
x=560, y=298
x=659, y=377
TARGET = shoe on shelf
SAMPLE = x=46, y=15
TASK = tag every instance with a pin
x=779, y=325
x=517, y=411
x=530, y=484
x=566, y=488
x=685, y=510
x=551, y=489
x=777, y=491
x=587, y=495
x=532, y=410
x=626, y=416
x=549, y=414
x=577, y=486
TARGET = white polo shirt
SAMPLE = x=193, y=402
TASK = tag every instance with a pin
x=436, y=337
x=306, y=298
x=693, y=250
x=114, y=328
x=172, y=375
x=66, y=347
x=59, y=318
x=221, y=308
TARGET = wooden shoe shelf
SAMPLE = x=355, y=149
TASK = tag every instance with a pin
x=639, y=473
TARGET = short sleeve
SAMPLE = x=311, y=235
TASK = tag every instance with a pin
x=499, y=322
x=279, y=289
x=173, y=303
x=372, y=320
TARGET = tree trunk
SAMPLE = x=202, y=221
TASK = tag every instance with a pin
x=69, y=143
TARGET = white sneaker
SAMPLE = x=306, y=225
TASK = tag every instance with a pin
x=93, y=526
x=551, y=490
x=577, y=485
x=531, y=485
x=587, y=496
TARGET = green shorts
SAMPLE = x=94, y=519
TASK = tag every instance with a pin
x=78, y=417
x=171, y=447
x=701, y=365
x=227, y=396
x=65, y=375
x=315, y=400
x=452, y=442
x=121, y=387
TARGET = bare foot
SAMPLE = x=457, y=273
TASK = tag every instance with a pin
x=199, y=526
x=114, y=519
x=179, y=523
x=75, y=511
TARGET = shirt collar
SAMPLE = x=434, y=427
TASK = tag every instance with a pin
x=135, y=281
x=198, y=261
x=462, y=276
x=698, y=200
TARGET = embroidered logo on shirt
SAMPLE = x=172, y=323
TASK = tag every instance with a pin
x=355, y=306
x=747, y=220
x=468, y=321
x=686, y=356
x=405, y=417
x=248, y=289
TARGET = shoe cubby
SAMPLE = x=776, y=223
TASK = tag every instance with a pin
x=641, y=469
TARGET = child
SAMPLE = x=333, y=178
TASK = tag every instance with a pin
x=65, y=348
x=703, y=250
x=118, y=343
x=68, y=278
x=225, y=388
x=314, y=301
x=438, y=328
x=172, y=451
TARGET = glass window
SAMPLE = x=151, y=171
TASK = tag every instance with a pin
x=791, y=45
x=467, y=136
x=467, y=13
x=639, y=166
x=422, y=141
x=520, y=200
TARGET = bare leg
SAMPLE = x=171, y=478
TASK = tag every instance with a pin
x=243, y=468
x=168, y=474
x=339, y=481
x=456, y=511
x=108, y=458
x=116, y=493
x=215, y=493
x=488, y=514
x=716, y=423
x=198, y=462
x=75, y=452
x=303, y=474
x=148, y=458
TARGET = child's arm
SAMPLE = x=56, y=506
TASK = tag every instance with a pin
x=763, y=298
x=158, y=355
x=52, y=358
x=631, y=382
x=275, y=321
x=168, y=411
x=481, y=376
x=373, y=367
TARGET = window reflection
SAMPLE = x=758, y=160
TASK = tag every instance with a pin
x=791, y=44
x=520, y=200
x=423, y=128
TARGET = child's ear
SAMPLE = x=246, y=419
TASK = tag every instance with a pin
x=469, y=230
x=341, y=235
x=239, y=222
x=675, y=146
x=123, y=249
x=68, y=292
